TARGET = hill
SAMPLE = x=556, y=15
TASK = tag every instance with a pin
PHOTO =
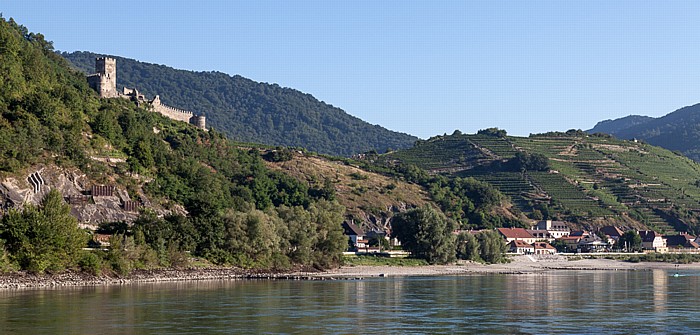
x=676, y=131
x=621, y=124
x=370, y=199
x=590, y=179
x=163, y=190
x=146, y=191
x=250, y=111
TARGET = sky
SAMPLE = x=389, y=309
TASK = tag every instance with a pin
x=419, y=67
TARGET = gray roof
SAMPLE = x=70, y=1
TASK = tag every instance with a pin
x=352, y=229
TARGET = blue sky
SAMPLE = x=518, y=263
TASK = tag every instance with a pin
x=420, y=67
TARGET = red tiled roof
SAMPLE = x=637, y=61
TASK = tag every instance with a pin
x=543, y=245
x=611, y=231
x=520, y=244
x=515, y=233
x=570, y=238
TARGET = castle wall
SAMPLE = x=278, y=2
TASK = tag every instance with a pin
x=104, y=81
x=171, y=112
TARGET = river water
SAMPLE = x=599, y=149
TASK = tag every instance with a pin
x=575, y=302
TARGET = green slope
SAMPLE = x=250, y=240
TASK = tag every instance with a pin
x=250, y=111
x=238, y=211
x=593, y=180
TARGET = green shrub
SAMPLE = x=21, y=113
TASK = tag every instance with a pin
x=91, y=263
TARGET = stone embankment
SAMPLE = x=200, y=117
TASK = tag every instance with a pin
x=19, y=280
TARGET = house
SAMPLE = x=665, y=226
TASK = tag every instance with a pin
x=682, y=241
x=556, y=229
x=541, y=234
x=592, y=243
x=355, y=235
x=612, y=231
x=516, y=234
x=544, y=248
x=571, y=242
x=652, y=240
x=100, y=240
x=580, y=233
x=520, y=247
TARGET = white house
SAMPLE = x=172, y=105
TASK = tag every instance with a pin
x=652, y=240
x=356, y=235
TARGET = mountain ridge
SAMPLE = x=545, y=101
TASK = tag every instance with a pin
x=250, y=111
x=675, y=131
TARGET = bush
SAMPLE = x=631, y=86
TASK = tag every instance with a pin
x=90, y=263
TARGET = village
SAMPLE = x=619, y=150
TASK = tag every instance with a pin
x=544, y=237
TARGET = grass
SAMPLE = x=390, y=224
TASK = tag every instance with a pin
x=665, y=258
x=383, y=261
x=355, y=189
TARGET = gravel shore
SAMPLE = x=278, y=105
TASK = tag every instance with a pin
x=518, y=265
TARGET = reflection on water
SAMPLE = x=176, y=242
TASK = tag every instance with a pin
x=561, y=302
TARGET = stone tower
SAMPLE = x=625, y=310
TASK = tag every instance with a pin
x=200, y=121
x=104, y=81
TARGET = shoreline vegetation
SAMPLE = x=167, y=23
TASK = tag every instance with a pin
x=519, y=265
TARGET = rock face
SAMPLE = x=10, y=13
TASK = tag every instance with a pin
x=76, y=189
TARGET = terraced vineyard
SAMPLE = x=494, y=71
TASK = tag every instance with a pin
x=499, y=146
x=442, y=153
x=591, y=178
x=512, y=184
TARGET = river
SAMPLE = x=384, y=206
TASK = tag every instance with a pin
x=568, y=302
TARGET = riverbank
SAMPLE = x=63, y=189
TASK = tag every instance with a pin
x=518, y=265
x=19, y=280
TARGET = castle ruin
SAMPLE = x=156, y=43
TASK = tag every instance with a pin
x=104, y=81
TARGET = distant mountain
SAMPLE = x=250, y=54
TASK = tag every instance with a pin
x=618, y=125
x=676, y=131
x=250, y=111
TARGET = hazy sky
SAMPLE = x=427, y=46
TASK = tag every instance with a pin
x=423, y=68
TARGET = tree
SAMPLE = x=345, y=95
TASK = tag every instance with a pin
x=494, y=132
x=43, y=238
x=467, y=247
x=378, y=241
x=300, y=234
x=559, y=244
x=426, y=233
x=630, y=240
x=523, y=161
x=491, y=246
x=251, y=238
x=330, y=240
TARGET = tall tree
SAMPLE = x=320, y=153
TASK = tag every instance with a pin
x=492, y=248
x=467, y=247
x=426, y=233
x=630, y=240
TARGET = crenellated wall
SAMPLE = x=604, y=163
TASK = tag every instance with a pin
x=104, y=81
x=171, y=112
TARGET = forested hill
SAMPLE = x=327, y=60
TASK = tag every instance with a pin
x=250, y=111
x=676, y=131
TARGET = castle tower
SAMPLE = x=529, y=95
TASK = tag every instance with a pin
x=104, y=81
x=201, y=122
